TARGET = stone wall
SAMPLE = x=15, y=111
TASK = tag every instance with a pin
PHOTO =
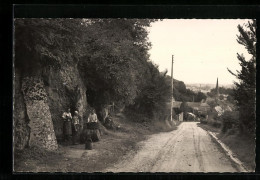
x=40, y=121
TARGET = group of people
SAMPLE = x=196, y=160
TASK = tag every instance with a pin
x=72, y=126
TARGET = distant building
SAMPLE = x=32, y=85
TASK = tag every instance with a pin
x=197, y=107
x=179, y=117
x=219, y=110
x=176, y=111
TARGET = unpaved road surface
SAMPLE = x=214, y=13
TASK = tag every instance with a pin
x=187, y=149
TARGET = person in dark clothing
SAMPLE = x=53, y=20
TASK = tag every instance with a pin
x=67, y=129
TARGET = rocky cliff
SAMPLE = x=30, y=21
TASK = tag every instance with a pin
x=40, y=99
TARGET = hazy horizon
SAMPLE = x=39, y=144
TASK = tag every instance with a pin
x=203, y=49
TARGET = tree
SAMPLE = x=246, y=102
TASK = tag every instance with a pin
x=111, y=56
x=210, y=94
x=245, y=88
x=200, y=96
x=222, y=90
x=153, y=95
x=229, y=120
x=47, y=42
x=230, y=98
x=113, y=67
x=212, y=104
x=185, y=109
x=181, y=93
x=109, y=53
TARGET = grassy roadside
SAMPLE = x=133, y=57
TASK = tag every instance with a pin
x=241, y=145
x=110, y=150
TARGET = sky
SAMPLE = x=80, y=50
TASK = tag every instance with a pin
x=202, y=49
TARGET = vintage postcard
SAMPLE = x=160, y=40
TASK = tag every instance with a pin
x=134, y=95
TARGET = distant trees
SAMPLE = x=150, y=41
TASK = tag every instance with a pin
x=181, y=93
x=212, y=104
x=200, y=96
x=222, y=90
x=245, y=88
x=230, y=99
x=210, y=94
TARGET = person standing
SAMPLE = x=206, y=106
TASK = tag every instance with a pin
x=67, y=130
x=75, y=127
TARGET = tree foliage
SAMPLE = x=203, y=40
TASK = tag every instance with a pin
x=154, y=93
x=113, y=67
x=222, y=90
x=109, y=52
x=200, y=96
x=46, y=42
x=181, y=93
x=245, y=88
x=111, y=56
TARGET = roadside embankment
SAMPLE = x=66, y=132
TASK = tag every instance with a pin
x=240, y=148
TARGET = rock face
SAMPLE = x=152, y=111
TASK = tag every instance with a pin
x=21, y=130
x=41, y=126
x=65, y=89
x=40, y=100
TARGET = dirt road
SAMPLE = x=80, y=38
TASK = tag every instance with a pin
x=187, y=149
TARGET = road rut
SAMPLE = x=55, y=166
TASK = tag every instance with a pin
x=187, y=149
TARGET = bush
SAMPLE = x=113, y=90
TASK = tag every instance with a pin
x=215, y=116
x=230, y=98
x=203, y=121
x=232, y=131
x=136, y=116
x=229, y=120
x=216, y=124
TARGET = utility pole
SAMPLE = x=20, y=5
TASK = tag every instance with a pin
x=113, y=107
x=172, y=88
